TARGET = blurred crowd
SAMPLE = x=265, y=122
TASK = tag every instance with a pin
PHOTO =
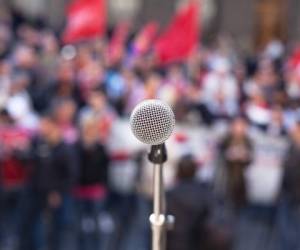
x=58, y=104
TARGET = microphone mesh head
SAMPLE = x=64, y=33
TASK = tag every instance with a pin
x=152, y=121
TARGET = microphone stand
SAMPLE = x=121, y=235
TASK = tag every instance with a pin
x=160, y=222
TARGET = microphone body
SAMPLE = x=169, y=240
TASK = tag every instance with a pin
x=152, y=122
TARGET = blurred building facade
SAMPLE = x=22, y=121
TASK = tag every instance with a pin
x=252, y=23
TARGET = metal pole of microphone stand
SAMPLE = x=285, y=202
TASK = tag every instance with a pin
x=158, y=217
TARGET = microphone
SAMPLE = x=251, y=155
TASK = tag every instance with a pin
x=152, y=122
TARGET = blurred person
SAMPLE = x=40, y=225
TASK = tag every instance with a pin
x=5, y=39
x=288, y=212
x=274, y=50
x=115, y=87
x=257, y=110
x=266, y=79
x=236, y=152
x=14, y=172
x=19, y=103
x=152, y=85
x=241, y=76
x=124, y=89
x=65, y=84
x=225, y=47
x=64, y=111
x=26, y=60
x=5, y=118
x=235, y=155
x=189, y=202
x=99, y=108
x=144, y=65
x=194, y=66
x=124, y=200
x=50, y=49
x=176, y=83
x=49, y=59
x=194, y=92
x=28, y=34
x=138, y=90
x=91, y=75
x=175, y=76
x=173, y=90
x=84, y=56
x=54, y=173
x=5, y=82
x=92, y=187
x=220, y=90
x=291, y=113
x=292, y=81
x=134, y=90
x=276, y=127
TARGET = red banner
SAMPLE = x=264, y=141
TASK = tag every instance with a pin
x=117, y=43
x=181, y=36
x=145, y=37
x=86, y=19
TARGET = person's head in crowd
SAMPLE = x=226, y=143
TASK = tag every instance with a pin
x=256, y=107
x=5, y=14
x=257, y=98
x=5, y=68
x=98, y=47
x=240, y=72
x=277, y=114
x=279, y=98
x=186, y=168
x=274, y=49
x=148, y=62
x=92, y=74
x=292, y=81
x=20, y=82
x=5, y=118
x=152, y=83
x=266, y=74
x=295, y=133
x=49, y=129
x=19, y=104
x=28, y=35
x=221, y=66
x=97, y=99
x=175, y=73
x=64, y=110
x=239, y=127
x=129, y=77
x=5, y=38
x=89, y=130
x=276, y=126
x=84, y=56
x=25, y=57
x=65, y=80
x=257, y=110
x=49, y=43
x=65, y=72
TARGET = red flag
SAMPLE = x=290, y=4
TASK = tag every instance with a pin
x=294, y=62
x=85, y=19
x=117, y=42
x=144, y=38
x=181, y=36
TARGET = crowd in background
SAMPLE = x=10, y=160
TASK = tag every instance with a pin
x=58, y=104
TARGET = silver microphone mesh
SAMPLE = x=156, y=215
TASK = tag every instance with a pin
x=152, y=121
